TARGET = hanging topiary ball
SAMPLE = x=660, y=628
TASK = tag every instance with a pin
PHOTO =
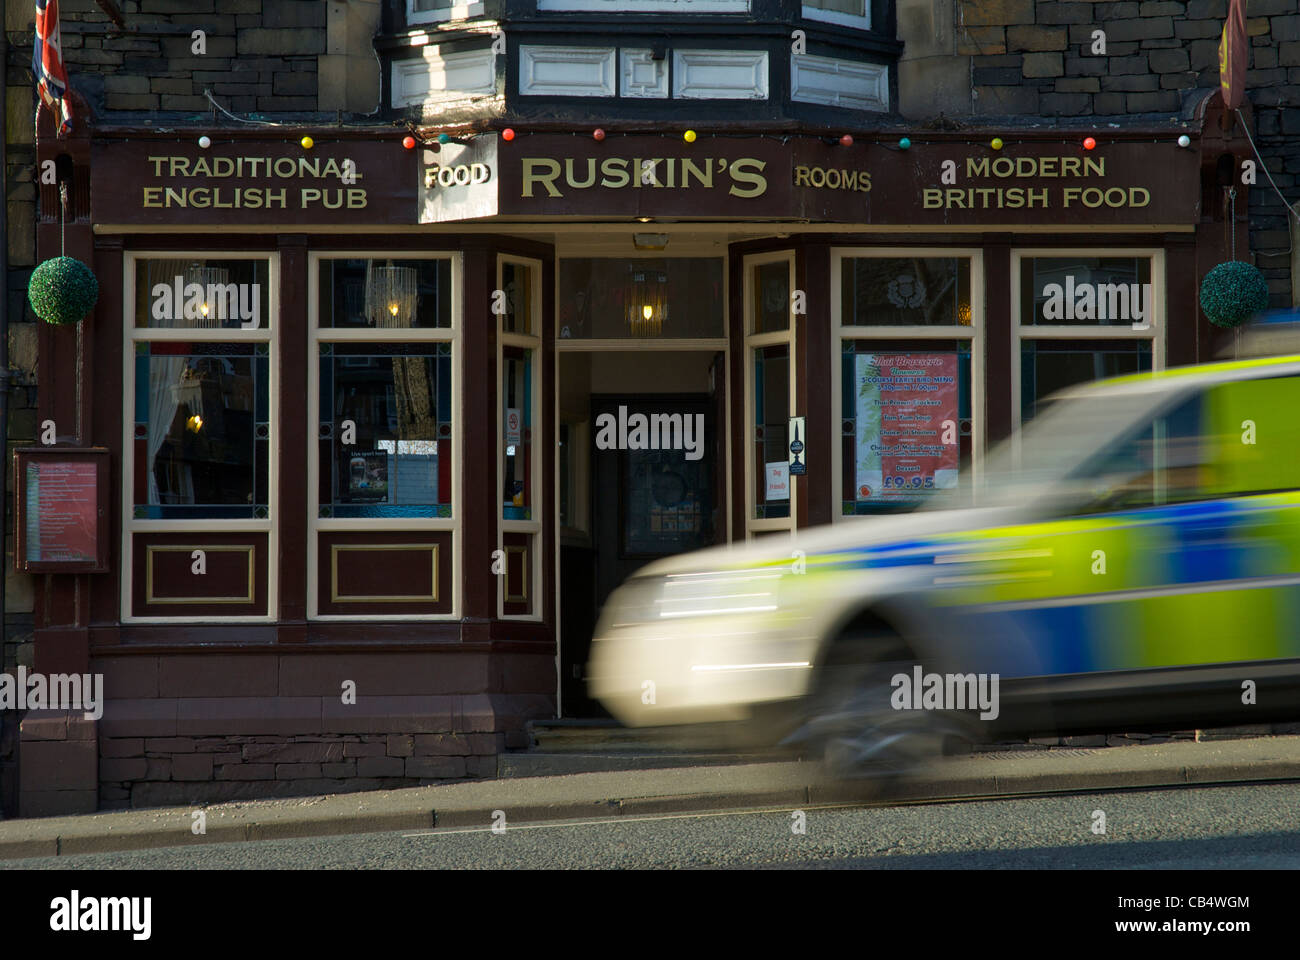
x=62, y=290
x=1233, y=292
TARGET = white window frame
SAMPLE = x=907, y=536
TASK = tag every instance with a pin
x=840, y=19
x=974, y=332
x=533, y=527
x=133, y=334
x=766, y=525
x=460, y=11
x=318, y=335
x=1153, y=332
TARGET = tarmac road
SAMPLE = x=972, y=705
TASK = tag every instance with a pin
x=1255, y=826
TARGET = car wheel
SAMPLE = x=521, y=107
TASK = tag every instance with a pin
x=850, y=725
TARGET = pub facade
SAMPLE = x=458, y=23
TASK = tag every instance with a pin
x=385, y=412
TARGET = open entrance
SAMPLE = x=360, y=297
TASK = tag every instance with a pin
x=642, y=471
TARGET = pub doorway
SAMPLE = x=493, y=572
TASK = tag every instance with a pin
x=642, y=476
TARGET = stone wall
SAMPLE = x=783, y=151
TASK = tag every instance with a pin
x=1019, y=58
x=305, y=59
x=208, y=727
x=163, y=771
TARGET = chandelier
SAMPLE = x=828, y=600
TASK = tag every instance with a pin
x=391, y=295
x=647, y=302
x=207, y=277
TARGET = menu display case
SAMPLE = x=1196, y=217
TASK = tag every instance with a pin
x=61, y=511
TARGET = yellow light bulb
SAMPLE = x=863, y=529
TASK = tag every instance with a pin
x=647, y=312
x=204, y=308
x=392, y=308
x=195, y=423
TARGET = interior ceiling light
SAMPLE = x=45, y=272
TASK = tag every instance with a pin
x=391, y=295
x=207, y=277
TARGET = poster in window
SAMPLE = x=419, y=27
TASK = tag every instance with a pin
x=368, y=477
x=902, y=403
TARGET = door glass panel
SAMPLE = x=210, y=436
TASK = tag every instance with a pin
x=516, y=418
x=771, y=426
x=771, y=297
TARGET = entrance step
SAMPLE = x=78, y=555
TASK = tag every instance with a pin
x=609, y=736
x=539, y=764
x=559, y=747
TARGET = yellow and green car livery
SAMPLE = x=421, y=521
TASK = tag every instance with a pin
x=1134, y=551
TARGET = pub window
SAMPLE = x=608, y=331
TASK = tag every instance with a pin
x=383, y=391
x=769, y=348
x=908, y=375
x=434, y=11
x=1083, y=315
x=896, y=291
x=848, y=13
x=519, y=465
x=200, y=445
x=1085, y=291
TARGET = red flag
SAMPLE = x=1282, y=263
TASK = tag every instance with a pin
x=1233, y=54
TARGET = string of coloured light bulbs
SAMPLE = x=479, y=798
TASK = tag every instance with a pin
x=509, y=134
x=413, y=137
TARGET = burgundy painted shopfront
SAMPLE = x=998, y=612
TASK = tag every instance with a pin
x=359, y=524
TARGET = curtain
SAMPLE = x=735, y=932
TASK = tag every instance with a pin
x=164, y=377
x=414, y=394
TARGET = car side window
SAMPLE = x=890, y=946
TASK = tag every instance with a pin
x=1167, y=460
x=1229, y=440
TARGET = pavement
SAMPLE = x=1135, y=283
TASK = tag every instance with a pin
x=658, y=791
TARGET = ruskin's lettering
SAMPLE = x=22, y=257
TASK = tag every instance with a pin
x=547, y=179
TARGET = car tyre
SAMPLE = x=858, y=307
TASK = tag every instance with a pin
x=849, y=723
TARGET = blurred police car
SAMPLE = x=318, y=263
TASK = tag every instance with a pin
x=1133, y=561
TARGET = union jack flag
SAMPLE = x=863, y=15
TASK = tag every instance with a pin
x=47, y=65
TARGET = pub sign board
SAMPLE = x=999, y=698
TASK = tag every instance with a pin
x=61, y=510
x=737, y=178
x=252, y=183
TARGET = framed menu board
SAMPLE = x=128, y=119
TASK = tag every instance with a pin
x=61, y=519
